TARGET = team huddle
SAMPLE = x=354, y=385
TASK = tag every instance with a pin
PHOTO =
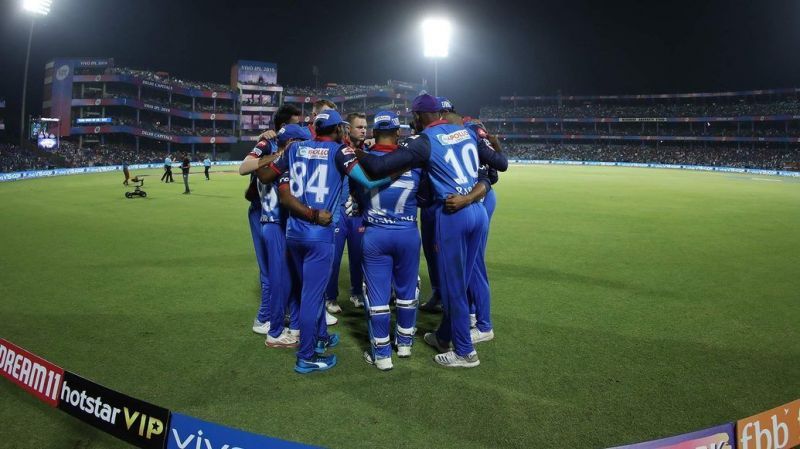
x=316, y=188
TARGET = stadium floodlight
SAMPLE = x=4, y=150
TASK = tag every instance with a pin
x=40, y=7
x=37, y=8
x=436, y=34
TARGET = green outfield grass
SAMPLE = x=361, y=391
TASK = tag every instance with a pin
x=629, y=304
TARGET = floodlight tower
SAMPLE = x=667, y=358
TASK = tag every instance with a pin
x=436, y=43
x=34, y=8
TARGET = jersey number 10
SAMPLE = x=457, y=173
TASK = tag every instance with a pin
x=469, y=158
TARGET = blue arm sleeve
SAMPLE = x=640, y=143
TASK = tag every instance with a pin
x=357, y=173
x=492, y=158
x=414, y=155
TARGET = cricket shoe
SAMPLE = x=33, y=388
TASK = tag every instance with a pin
x=432, y=340
x=403, y=351
x=357, y=300
x=332, y=307
x=383, y=364
x=260, y=328
x=478, y=337
x=284, y=340
x=473, y=321
x=452, y=360
x=293, y=332
x=317, y=363
x=433, y=306
x=323, y=345
x=330, y=320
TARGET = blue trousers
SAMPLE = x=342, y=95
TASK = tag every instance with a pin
x=350, y=230
x=280, y=279
x=479, y=293
x=312, y=265
x=254, y=217
x=391, y=259
x=427, y=219
x=459, y=238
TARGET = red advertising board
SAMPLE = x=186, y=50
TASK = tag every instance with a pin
x=30, y=372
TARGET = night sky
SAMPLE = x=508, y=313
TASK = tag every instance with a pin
x=499, y=48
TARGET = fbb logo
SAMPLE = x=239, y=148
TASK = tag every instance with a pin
x=778, y=428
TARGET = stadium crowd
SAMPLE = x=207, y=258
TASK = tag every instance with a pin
x=713, y=155
x=15, y=158
x=335, y=90
x=165, y=78
x=586, y=110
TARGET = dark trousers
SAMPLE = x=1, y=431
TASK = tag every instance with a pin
x=167, y=174
x=206, y=172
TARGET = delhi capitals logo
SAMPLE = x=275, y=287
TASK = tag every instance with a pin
x=62, y=73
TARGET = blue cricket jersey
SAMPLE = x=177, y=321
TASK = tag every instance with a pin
x=392, y=206
x=447, y=152
x=314, y=171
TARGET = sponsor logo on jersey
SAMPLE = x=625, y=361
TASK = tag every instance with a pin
x=453, y=138
x=30, y=372
x=312, y=153
x=129, y=419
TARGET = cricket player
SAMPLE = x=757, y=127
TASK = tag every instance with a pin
x=390, y=251
x=451, y=157
x=266, y=145
x=274, y=239
x=312, y=174
x=349, y=229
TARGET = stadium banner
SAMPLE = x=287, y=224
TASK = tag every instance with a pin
x=137, y=422
x=30, y=372
x=254, y=73
x=61, y=93
x=186, y=432
x=772, y=429
x=31, y=174
x=157, y=135
x=160, y=85
x=742, y=118
x=753, y=171
x=719, y=437
x=138, y=104
x=652, y=96
x=650, y=138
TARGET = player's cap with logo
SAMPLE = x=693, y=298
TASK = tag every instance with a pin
x=386, y=120
x=293, y=132
x=425, y=103
x=445, y=105
x=326, y=118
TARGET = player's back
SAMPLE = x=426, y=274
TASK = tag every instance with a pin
x=392, y=206
x=316, y=181
x=453, y=164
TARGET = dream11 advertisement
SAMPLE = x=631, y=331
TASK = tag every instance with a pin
x=256, y=73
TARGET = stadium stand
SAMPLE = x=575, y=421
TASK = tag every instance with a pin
x=753, y=129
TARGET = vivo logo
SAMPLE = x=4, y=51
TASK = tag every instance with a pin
x=199, y=442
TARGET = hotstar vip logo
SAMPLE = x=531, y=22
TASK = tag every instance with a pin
x=137, y=422
x=199, y=442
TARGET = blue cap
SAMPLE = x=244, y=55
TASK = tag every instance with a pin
x=425, y=103
x=444, y=104
x=293, y=131
x=326, y=118
x=386, y=120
